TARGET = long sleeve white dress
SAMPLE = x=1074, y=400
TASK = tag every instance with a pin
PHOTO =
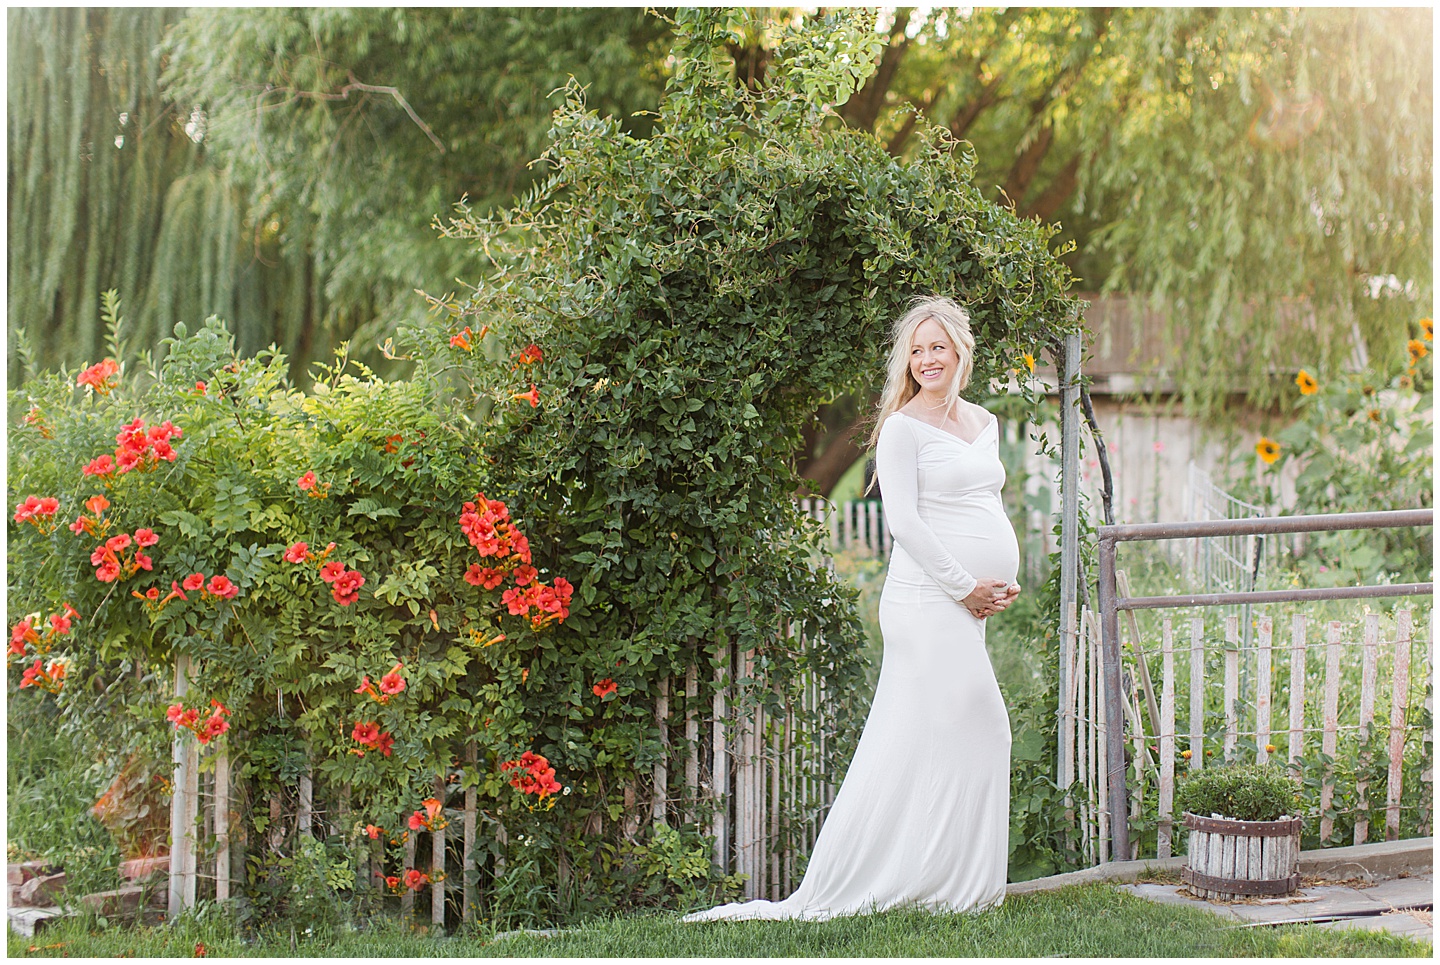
x=922, y=818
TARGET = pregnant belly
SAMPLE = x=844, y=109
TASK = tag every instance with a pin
x=976, y=532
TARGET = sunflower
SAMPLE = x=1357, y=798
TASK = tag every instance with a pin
x=1428, y=327
x=1417, y=350
x=1307, y=383
x=1267, y=449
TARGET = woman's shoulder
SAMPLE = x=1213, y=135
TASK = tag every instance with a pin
x=978, y=410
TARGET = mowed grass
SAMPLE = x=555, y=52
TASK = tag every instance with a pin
x=1081, y=921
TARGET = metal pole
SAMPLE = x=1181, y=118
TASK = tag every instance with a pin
x=1069, y=538
x=1114, y=713
x=1275, y=596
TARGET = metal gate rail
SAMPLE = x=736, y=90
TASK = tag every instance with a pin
x=1111, y=604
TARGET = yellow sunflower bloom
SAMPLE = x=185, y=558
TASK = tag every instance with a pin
x=1267, y=449
x=1307, y=383
x=1417, y=350
x=1428, y=327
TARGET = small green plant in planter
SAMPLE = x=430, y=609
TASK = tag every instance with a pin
x=1241, y=792
x=1244, y=836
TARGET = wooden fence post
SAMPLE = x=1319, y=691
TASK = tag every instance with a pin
x=437, y=859
x=1399, y=702
x=1297, y=691
x=222, y=826
x=1331, y=724
x=1232, y=686
x=692, y=742
x=662, y=765
x=720, y=768
x=1368, y=671
x=1164, y=833
x=184, y=805
x=1263, y=673
x=467, y=864
x=1197, y=693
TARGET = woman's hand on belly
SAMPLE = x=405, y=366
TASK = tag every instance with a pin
x=990, y=597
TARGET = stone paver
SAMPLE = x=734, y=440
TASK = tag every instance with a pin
x=1378, y=903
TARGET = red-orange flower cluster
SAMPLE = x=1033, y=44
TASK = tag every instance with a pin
x=39, y=511
x=390, y=685
x=487, y=525
x=312, y=487
x=98, y=376
x=431, y=818
x=462, y=338
x=344, y=584
x=529, y=355
x=189, y=718
x=122, y=556
x=367, y=733
x=533, y=396
x=373, y=831
x=25, y=635
x=96, y=526
x=540, y=604
x=32, y=418
x=47, y=676
x=136, y=448
x=535, y=775
x=412, y=879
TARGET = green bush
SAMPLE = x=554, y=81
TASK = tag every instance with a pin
x=1241, y=792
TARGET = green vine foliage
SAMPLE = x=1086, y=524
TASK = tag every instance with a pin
x=698, y=294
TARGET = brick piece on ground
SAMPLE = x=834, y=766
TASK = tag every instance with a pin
x=18, y=874
x=142, y=869
x=120, y=903
x=43, y=891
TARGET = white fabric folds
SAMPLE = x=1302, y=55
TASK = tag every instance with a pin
x=922, y=819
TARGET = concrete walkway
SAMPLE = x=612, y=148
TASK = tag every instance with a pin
x=1386, y=886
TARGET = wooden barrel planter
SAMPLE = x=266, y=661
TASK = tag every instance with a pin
x=1231, y=859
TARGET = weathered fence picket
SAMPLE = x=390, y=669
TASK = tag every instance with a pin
x=1263, y=659
x=1232, y=686
x=1368, y=669
x=1298, y=650
x=1342, y=716
x=1165, y=831
x=1399, y=703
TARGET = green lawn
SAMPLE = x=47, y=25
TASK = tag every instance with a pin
x=1081, y=921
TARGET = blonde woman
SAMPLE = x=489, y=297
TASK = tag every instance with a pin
x=922, y=818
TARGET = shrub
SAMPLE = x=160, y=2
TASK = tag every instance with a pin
x=1241, y=792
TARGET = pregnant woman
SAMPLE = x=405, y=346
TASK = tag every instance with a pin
x=922, y=818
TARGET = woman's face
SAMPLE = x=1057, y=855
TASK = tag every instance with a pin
x=934, y=362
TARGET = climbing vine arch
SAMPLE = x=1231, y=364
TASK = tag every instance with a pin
x=697, y=294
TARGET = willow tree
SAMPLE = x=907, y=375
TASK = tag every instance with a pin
x=277, y=167
x=94, y=149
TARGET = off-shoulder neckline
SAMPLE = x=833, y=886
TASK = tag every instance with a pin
x=950, y=435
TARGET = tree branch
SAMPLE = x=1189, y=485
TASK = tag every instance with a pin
x=863, y=109
x=354, y=85
x=1058, y=191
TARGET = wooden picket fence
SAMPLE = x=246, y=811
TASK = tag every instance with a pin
x=748, y=762
x=1255, y=682
x=855, y=525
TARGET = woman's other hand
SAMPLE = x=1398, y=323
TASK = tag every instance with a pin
x=990, y=597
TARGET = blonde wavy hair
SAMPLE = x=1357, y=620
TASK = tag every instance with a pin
x=900, y=385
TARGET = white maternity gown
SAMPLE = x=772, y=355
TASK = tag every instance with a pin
x=922, y=818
